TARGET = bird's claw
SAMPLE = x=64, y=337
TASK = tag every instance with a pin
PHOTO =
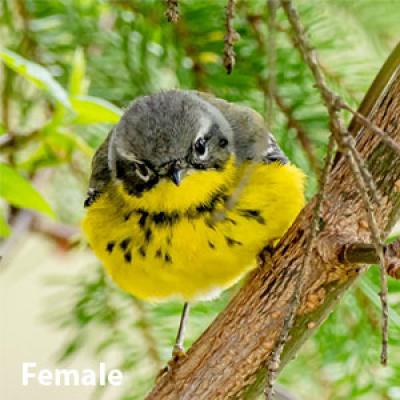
x=178, y=353
x=266, y=254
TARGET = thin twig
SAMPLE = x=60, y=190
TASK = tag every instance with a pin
x=273, y=365
x=301, y=134
x=368, y=124
x=172, y=12
x=366, y=175
x=292, y=121
x=230, y=37
x=271, y=81
x=333, y=103
x=377, y=240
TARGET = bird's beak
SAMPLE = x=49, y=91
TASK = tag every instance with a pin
x=176, y=175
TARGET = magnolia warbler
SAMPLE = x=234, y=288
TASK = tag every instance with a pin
x=185, y=191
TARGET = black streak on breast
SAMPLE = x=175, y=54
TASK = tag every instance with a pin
x=232, y=242
x=142, y=251
x=125, y=243
x=252, y=214
x=110, y=246
x=128, y=257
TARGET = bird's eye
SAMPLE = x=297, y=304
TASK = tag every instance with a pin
x=200, y=147
x=142, y=172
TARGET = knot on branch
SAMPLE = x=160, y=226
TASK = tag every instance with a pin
x=392, y=252
x=365, y=253
x=172, y=12
x=393, y=268
x=337, y=102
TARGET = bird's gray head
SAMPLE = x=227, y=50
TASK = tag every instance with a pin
x=166, y=136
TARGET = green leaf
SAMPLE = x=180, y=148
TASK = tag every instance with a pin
x=36, y=74
x=91, y=110
x=4, y=227
x=18, y=191
x=77, y=77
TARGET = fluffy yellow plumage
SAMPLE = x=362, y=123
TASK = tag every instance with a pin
x=184, y=241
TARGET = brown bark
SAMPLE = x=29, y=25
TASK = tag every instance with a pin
x=228, y=361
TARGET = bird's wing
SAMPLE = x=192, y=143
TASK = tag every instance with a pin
x=273, y=152
x=101, y=174
x=252, y=140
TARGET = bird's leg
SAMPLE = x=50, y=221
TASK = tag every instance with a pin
x=178, y=350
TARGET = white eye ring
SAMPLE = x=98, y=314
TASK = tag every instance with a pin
x=201, y=148
x=142, y=172
x=205, y=155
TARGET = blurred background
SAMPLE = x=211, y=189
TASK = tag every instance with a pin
x=68, y=68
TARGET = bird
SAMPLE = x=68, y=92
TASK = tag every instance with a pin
x=186, y=190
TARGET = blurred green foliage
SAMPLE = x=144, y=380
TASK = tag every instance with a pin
x=71, y=66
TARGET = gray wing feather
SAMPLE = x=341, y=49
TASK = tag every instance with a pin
x=274, y=152
x=101, y=174
x=252, y=141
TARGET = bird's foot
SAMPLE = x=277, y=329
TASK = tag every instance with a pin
x=178, y=353
x=265, y=255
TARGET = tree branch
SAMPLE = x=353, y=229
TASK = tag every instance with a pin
x=365, y=253
x=228, y=361
x=362, y=177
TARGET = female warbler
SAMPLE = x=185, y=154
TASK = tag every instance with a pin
x=185, y=191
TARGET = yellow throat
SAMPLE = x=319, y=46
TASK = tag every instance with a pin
x=189, y=242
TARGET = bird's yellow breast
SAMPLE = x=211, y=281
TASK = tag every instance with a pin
x=197, y=239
